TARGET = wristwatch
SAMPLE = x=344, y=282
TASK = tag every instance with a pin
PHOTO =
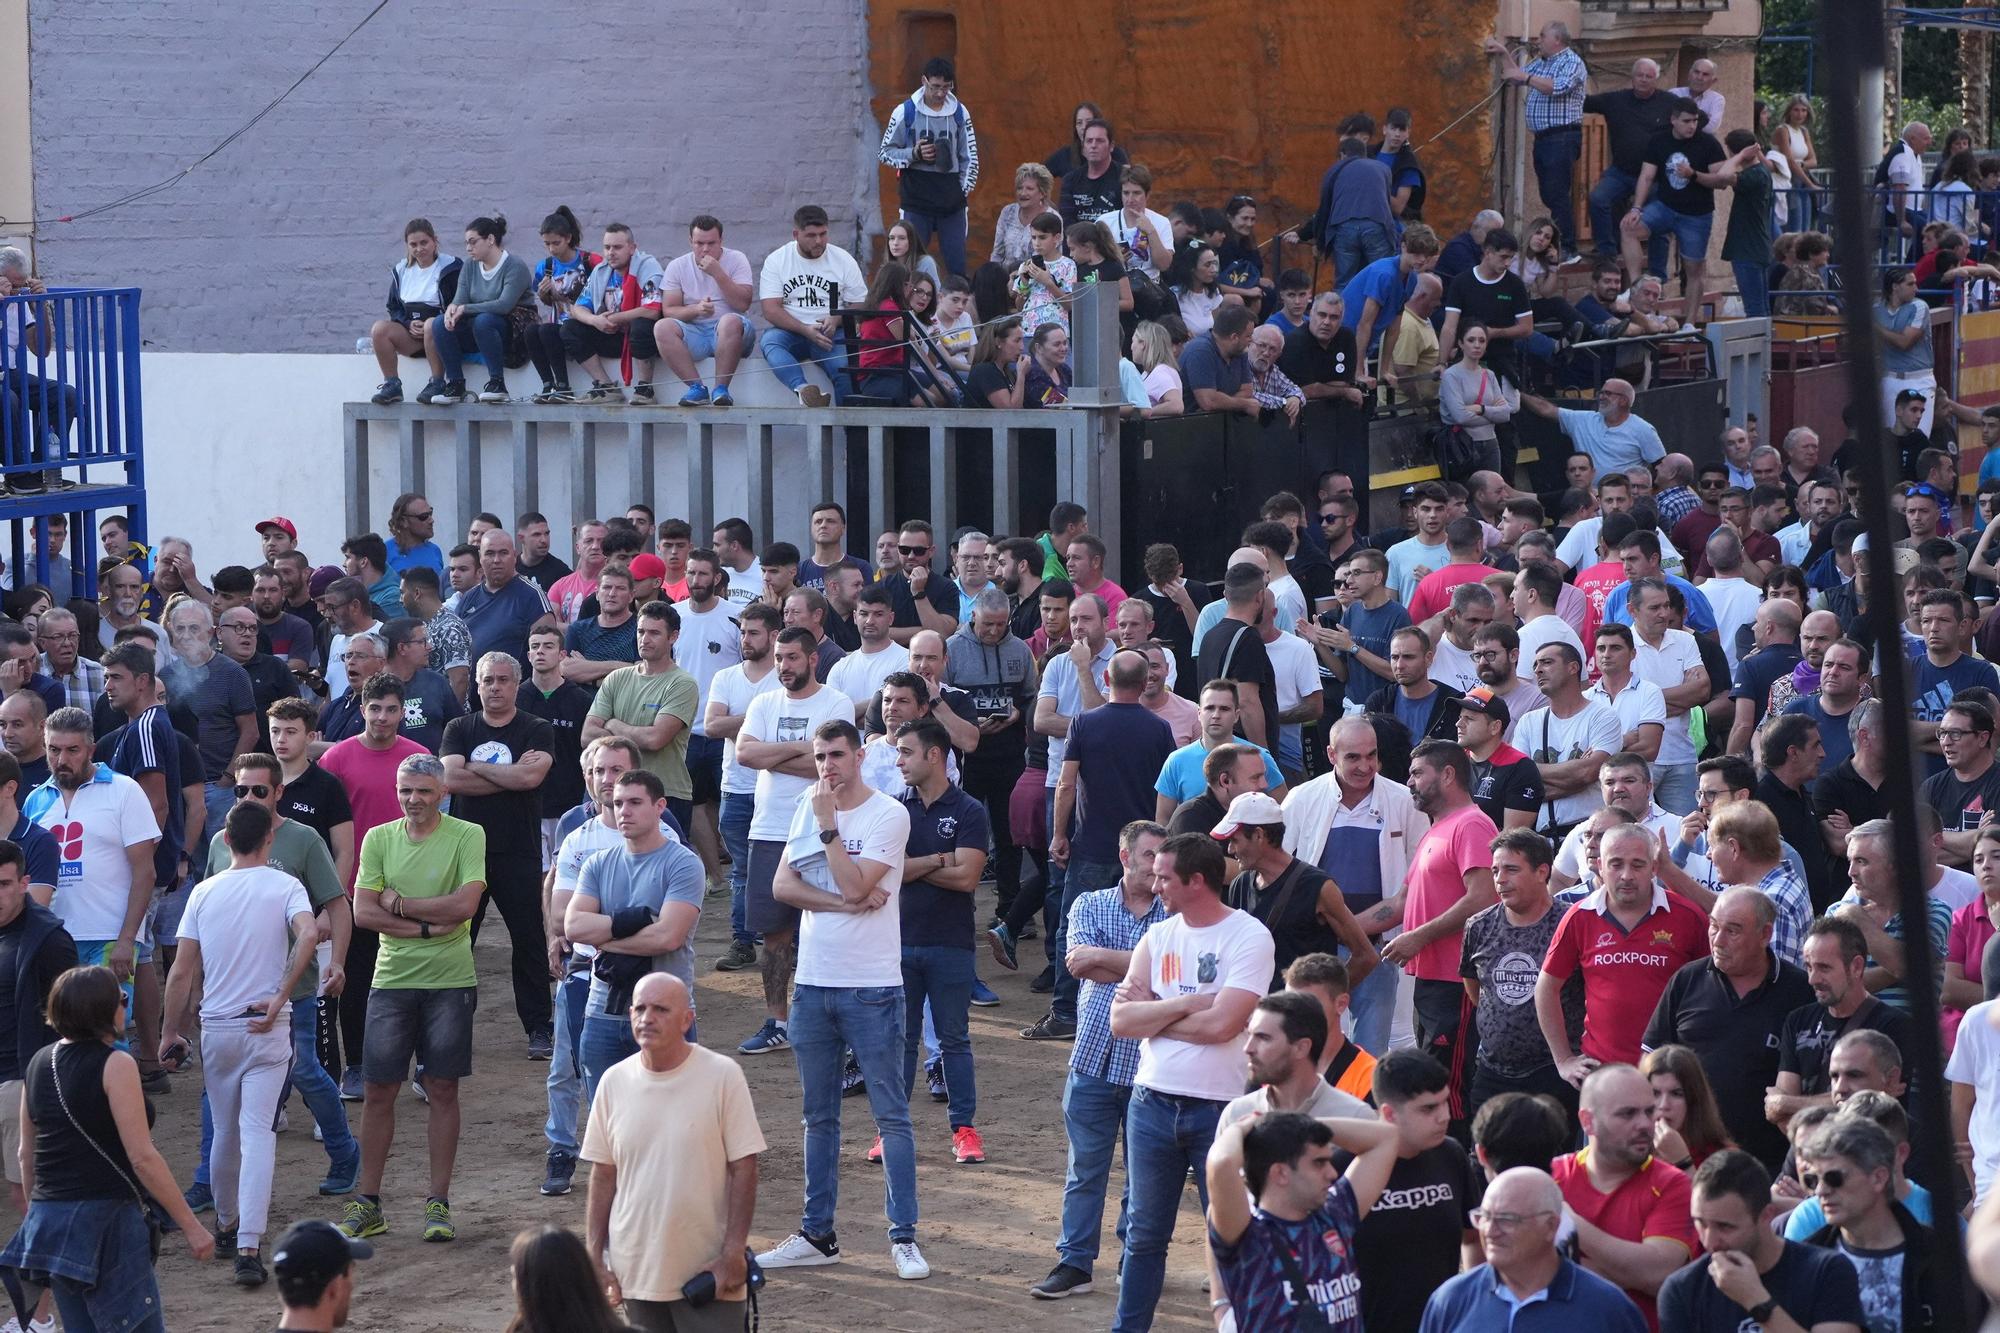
x=1761, y=1313
x=425, y=929
x=827, y=835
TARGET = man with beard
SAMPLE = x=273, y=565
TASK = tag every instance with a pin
x=1020, y=577
x=279, y=632
x=122, y=596
x=994, y=667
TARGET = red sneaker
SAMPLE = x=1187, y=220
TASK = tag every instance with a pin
x=875, y=1153
x=966, y=1146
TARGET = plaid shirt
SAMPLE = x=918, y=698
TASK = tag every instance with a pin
x=83, y=684
x=1099, y=919
x=1273, y=388
x=1564, y=106
x=1674, y=504
x=1795, y=912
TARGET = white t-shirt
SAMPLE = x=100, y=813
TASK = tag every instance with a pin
x=1236, y=953
x=1538, y=634
x=1667, y=666
x=709, y=641
x=1579, y=548
x=735, y=690
x=1637, y=704
x=1569, y=856
x=858, y=675
x=1548, y=739
x=105, y=816
x=777, y=717
x=878, y=767
x=811, y=288
x=685, y=274
x=1297, y=670
x=1734, y=602
x=1140, y=244
x=865, y=948
x=1954, y=888
x=1162, y=380
x=1452, y=665
x=1406, y=557
x=1975, y=1061
x=745, y=585
x=1286, y=592
x=242, y=919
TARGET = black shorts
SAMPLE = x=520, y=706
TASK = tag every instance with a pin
x=704, y=765
x=761, y=911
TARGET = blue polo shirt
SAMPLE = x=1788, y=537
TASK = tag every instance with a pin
x=39, y=846
x=499, y=621
x=934, y=917
x=1478, y=1302
x=1389, y=285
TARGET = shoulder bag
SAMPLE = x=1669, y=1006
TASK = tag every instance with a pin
x=154, y=1232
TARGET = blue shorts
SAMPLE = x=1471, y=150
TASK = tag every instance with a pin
x=700, y=336
x=1690, y=229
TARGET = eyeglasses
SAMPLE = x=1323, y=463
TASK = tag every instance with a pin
x=1504, y=1221
x=1834, y=1179
x=914, y=550
x=1955, y=733
x=1708, y=797
x=256, y=789
x=71, y=637
x=1713, y=483
x=240, y=629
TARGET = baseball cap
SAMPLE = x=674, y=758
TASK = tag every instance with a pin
x=1905, y=559
x=1252, y=807
x=322, y=579
x=316, y=1251
x=1409, y=495
x=1480, y=699
x=283, y=525
x=646, y=565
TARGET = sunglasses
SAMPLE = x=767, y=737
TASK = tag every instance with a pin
x=1329, y=518
x=914, y=550
x=1714, y=484
x=1834, y=1179
x=424, y=517
x=256, y=789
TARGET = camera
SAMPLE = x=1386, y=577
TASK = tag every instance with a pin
x=699, y=1290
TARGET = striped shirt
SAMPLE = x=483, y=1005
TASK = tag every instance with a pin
x=1100, y=920
x=1563, y=106
x=1786, y=889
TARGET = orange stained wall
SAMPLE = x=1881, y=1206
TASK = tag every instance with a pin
x=1215, y=96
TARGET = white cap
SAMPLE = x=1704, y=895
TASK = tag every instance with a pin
x=1252, y=807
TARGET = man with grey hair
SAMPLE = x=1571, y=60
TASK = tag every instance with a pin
x=421, y=880
x=1673, y=489
x=495, y=761
x=1767, y=466
x=1554, y=82
x=1274, y=389
x=1849, y=794
x=1700, y=89
x=1518, y=1218
x=219, y=694
x=50, y=403
x=985, y=659
x=1409, y=360
x=1853, y=1162
x=1904, y=174
x=60, y=640
x=346, y=609
x=364, y=655
x=972, y=562
x=1633, y=116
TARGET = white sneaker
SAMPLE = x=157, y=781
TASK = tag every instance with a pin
x=797, y=1251
x=284, y=1120
x=910, y=1265
x=43, y=1325
x=319, y=1135
x=13, y=1324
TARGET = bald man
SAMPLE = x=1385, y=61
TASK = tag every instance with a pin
x=502, y=607
x=1409, y=363
x=1673, y=489
x=1518, y=1219
x=1775, y=632
x=1614, y=438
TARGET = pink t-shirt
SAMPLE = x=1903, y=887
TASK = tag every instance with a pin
x=1966, y=946
x=567, y=597
x=1455, y=844
x=1433, y=593
x=369, y=778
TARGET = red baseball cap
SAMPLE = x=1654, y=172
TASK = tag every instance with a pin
x=283, y=525
x=646, y=565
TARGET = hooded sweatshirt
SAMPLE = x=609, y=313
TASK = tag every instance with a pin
x=942, y=185
x=998, y=678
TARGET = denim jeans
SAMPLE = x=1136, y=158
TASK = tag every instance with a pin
x=1556, y=152
x=1080, y=878
x=50, y=402
x=1093, y=1113
x=1165, y=1135
x=949, y=228
x=1753, y=283
x=567, y=1106
x=607, y=1039
x=1673, y=787
x=1607, y=207
x=783, y=350
x=1357, y=243
x=734, y=823
x=485, y=332
x=216, y=798
x=1373, y=1004
x=941, y=976
x=827, y=1021
x=316, y=1088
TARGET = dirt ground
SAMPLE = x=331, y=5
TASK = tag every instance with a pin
x=988, y=1231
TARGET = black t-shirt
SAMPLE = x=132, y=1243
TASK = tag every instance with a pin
x=1498, y=788
x=1198, y=814
x=1702, y=153
x=1081, y=199
x=1119, y=750
x=986, y=379
x=931, y=916
x=1171, y=628
x=1806, y=1044
x=939, y=591
x=842, y=631
x=564, y=709
x=1797, y=826
x=1498, y=305
x=1845, y=790
x=545, y=575
x=1631, y=122
x=1289, y=907
x=1308, y=361
x=1241, y=657
x=1908, y=446
x=317, y=800
x=1737, y=1038
x=1408, y=1245
x=1812, y=1285
x=1961, y=805
x=512, y=819
x=1109, y=272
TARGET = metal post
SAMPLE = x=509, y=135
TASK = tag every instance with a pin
x=1852, y=31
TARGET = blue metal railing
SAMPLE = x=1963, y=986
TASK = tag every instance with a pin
x=71, y=434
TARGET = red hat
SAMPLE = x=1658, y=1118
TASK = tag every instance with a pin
x=646, y=565
x=283, y=525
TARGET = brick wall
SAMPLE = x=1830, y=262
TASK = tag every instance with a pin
x=283, y=241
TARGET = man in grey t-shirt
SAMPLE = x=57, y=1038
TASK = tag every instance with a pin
x=1500, y=960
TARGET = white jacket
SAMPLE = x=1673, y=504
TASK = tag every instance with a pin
x=1309, y=810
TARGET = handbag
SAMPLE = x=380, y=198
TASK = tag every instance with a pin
x=155, y=1233
x=1149, y=299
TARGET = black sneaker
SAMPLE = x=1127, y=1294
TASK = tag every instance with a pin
x=1045, y=983
x=562, y=1166
x=561, y=393
x=741, y=957
x=249, y=1270
x=545, y=394
x=642, y=393
x=601, y=391
x=934, y=1078
x=1063, y=1281
x=1028, y=931
x=448, y=394
x=389, y=391
x=542, y=1044
x=1050, y=1028
x=852, y=1084
x=494, y=392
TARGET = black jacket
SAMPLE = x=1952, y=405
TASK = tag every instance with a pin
x=1922, y=1274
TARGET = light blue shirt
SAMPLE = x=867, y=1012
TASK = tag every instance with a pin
x=619, y=879
x=1211, y=616
x=1631, y=443
x=1700, y=615
x=1181, y=779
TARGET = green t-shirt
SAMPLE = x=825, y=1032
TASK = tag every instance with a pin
x=638, y=701
x=1748, y=239
x=452, y=856
x=301, y=853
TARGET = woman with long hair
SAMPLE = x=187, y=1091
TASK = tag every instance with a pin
x=1793, y=137
x=1096, y=258
x=1048, y=372
x=1153, y=354
x=1687, y=1124
x=1034, y=195
x=558, y=1288
x=1194, y=279
x=999, y=373
x=412, y=520
x=1475, y=399
x=1955, y=197
x=91, y=1171
x=1241, y=260
x=934, y=383
x=992, y=294
x=493, y=286
x=883, y=355
x=902, y=246
x=420, y=286
x=559, y=280
x=1540, y=257
x=1956, y=141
